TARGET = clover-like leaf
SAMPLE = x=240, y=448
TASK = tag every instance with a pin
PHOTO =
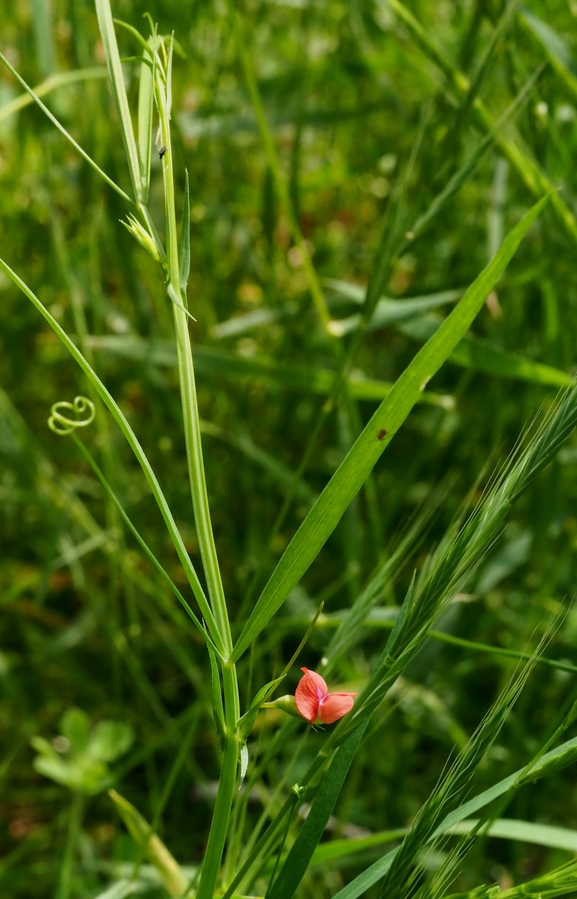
x=75, y=726
x=109, y=740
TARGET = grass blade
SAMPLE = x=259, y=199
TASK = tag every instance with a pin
x=301, y=852
x=46, y=87
x=145, y=111
x=532, y=175
x=185, y=239
x=106, y=25
x=354, y=470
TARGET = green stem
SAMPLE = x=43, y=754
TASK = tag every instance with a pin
x=191, y=418
x=226, y=789
x=191, y=421
x=74, y=823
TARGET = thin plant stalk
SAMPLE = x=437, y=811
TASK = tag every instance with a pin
x=191, y=419
x=75, y=813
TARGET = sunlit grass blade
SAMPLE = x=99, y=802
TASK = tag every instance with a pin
x=52, y=83
x=329, y=508
x=116, y=77
x=410, y=318
x=525, y=832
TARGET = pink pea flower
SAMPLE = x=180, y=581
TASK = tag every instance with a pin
x=316, y=704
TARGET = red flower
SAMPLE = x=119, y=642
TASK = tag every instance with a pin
x=316, y=704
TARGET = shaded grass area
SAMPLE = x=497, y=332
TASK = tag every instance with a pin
x=369, y=131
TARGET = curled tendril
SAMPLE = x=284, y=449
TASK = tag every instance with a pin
x=62, y=425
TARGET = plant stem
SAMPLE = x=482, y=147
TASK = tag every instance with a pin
x=74, y=821
x=226, y=789
x=191, y=420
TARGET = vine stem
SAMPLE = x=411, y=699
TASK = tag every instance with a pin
x=191, y=420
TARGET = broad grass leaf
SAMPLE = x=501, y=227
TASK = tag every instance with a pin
x=359, y=462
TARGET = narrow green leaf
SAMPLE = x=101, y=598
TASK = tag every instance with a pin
x=184, y=252
x=108, y=35
x=525, y=832
x=503, y=828
x=145, y=111
x=36, y=99
x=464, y=173
x=301, y=852
x=359, y=462
x=134, y=444
x=532, y=175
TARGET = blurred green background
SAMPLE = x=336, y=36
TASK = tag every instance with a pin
x=368, y=136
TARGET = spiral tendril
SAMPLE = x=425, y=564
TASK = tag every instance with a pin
x=62, y=425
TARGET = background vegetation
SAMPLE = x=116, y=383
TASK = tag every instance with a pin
x=368, y=131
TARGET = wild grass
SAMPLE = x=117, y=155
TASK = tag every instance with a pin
x=288, y=296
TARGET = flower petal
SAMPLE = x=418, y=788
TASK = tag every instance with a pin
x=311, y=689
x=334, y=705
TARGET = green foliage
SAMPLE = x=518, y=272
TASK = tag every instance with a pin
x=246, y=257
x=79, y=757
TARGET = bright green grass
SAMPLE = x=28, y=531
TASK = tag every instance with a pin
x=338, y=153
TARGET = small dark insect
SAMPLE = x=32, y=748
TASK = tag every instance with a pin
x=161, y=152
x=382, y=433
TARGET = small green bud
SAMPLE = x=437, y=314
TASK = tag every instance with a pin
x=142, y=236
x=285, y=704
